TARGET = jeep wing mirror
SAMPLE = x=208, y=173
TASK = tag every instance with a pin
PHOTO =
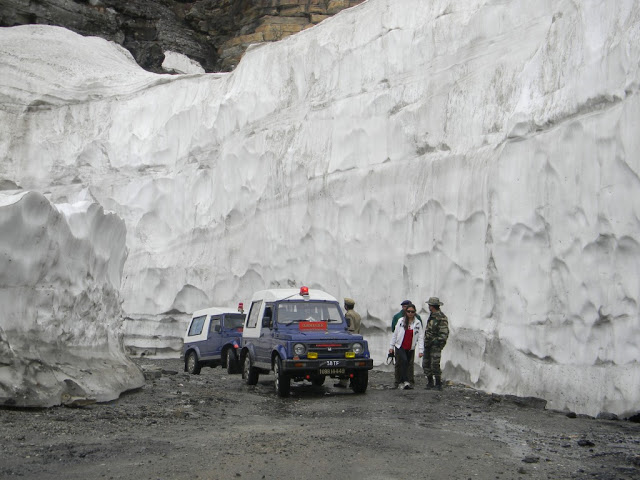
x=217, y=328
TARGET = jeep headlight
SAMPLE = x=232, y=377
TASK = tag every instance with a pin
x=299, y=349
x=357, y=348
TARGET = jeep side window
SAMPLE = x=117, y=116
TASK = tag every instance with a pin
x=267, y=317
x=196, y=325
x=252, y=319
x=215, y=324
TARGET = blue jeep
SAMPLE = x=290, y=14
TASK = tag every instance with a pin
x=212, y=338
x=301, y=335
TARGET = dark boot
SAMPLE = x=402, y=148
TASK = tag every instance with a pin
x=438, y=383
x=429, y=383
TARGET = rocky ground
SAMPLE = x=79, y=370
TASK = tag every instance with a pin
x=213, y=426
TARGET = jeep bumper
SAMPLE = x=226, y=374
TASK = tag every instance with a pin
x=329, y=367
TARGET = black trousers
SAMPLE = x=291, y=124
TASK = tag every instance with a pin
x=404, y=358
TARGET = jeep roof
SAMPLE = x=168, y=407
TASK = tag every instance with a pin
x=215, y=311
x=279, y=294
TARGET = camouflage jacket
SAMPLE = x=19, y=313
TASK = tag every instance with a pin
x=437, y=331
x=354, y=320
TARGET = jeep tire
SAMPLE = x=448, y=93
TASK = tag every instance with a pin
x=283, y=382
x=232, y=361
x=360, y=381
x=318, y=380
x=192, y=364
x=249, y=372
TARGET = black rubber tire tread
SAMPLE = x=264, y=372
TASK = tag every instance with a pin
x=360, y=381
x=231, y=361
x=192, y=364
x=283, y=382
x=249, y=372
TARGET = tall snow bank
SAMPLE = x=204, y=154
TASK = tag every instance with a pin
x=60, y=311
x=484, y=152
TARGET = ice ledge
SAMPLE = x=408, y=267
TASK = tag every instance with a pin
x=61, y=320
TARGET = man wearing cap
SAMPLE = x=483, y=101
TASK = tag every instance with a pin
x=394, y=321
x=435, y=338
x=353, y=320
x=400, y=314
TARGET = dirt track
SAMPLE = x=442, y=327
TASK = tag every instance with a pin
x=213, y=426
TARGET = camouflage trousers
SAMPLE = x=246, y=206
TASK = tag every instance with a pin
x=431, y=361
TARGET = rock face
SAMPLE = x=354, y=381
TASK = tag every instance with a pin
x=215, y=33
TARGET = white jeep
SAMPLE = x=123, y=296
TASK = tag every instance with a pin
x=212, y=338
x=301, y=335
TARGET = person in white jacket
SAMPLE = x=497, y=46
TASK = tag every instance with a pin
x=408, y=333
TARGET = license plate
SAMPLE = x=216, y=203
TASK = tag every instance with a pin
x=332, y=371
x=333, y=363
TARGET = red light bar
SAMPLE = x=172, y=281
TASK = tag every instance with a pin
x=304, y=291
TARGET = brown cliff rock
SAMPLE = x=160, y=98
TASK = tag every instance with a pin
x=214, y=33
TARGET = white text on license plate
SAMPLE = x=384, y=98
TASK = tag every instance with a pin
x=331, y=371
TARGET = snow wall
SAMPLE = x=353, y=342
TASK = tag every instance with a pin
x=482, y=152
x=60, y=310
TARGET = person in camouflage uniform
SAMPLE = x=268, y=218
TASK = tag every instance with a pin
x=353, y=320
x=435, y=338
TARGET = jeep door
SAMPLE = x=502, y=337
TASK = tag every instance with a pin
x=264, y=343
x=253, y=328
x=214, y=341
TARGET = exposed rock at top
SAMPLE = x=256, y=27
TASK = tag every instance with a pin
x=214, y=33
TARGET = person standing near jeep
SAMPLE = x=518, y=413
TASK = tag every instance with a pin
x=400, y=314
x=353, y=318
x=396, y=367
x=406, y=336
x=354, y=321
x=436, y=335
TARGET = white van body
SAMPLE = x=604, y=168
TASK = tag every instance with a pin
x=206, y=312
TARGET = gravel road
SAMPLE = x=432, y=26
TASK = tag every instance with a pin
x=213, y=426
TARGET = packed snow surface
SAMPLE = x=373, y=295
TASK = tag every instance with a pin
x=178, y=63
x=483, y=152
x=61, y=334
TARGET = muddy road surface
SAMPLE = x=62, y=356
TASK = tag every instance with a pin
x=213, y=426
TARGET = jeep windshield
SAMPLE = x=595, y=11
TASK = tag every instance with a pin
x=309, y=311
x=234, y=320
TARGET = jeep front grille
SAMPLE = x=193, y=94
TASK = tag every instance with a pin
x=328, y=350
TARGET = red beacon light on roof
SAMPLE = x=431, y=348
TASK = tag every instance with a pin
x=241, y=307
x=304, y=291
